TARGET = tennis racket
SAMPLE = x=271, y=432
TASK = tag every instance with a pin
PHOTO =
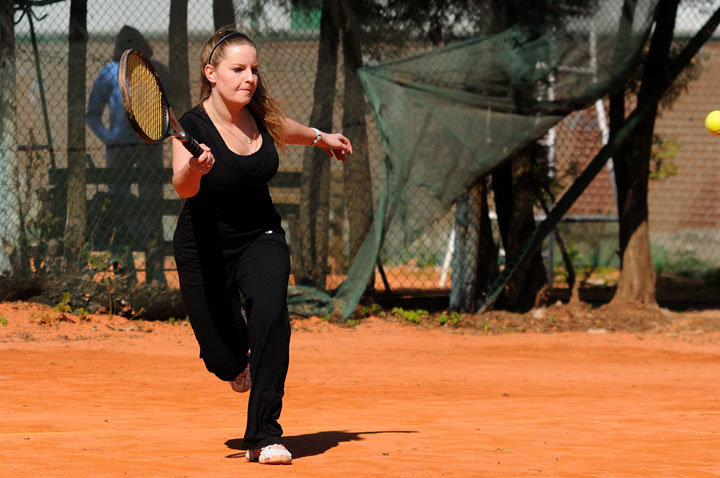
x=146, y=105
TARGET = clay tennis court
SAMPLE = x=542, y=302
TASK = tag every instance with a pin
x=105, y=396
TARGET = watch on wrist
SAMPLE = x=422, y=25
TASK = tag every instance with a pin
x=318, y=136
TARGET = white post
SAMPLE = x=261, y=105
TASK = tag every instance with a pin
x=550, y=141
x=449, y=250
x=600, y=109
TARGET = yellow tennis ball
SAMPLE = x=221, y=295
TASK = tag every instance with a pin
x=712, y=122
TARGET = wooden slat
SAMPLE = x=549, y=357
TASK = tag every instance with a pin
x=287, y=210
x=284, y=188
x=286, y=179
x=58, y=177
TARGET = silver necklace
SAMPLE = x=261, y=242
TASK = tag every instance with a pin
x=248, y=138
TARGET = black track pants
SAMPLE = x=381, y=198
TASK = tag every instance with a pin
x=259, y=271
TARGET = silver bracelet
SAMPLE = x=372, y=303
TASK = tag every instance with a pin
x=318, y=136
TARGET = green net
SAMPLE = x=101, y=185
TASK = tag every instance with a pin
x=448, y=116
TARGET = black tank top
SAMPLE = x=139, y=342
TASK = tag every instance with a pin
x=233, y=205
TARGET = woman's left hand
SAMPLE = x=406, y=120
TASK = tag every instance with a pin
x=336, y=145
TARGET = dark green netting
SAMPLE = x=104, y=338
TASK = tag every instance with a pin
x=308, y=301
x=447, y=117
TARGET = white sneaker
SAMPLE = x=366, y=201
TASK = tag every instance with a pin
x=241, y=383
x=275, y=454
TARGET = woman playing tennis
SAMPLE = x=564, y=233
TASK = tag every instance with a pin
x=229, y=242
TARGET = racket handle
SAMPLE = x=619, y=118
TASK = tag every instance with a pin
x=191, y=145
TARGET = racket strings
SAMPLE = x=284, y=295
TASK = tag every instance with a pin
x=146, y=99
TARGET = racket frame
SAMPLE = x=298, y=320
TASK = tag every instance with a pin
x=169, y=120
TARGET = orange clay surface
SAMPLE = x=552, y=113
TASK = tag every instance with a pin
x=107, y=397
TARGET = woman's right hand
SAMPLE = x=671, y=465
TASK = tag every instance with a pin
x=187, y=170
x=202, y=164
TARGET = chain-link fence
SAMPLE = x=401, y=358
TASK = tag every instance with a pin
x=684, y=220
x=129, y=209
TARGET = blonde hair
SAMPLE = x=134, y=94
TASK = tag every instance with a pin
x=264, y=107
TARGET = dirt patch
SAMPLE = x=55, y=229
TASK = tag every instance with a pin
x=28, y=322
x=108, y=396
x=556, y=318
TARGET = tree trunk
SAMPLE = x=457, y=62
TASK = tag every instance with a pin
x=632, y=172
x=223, y=13
x=8, y=138
x=464, y=286
x=513, y=189
x=179, y=91
x=475, y=257
x=474, y=261
x=255, y=14
x=76, y=221
x=356, y=171
x=637, y=273
x=310, y=241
